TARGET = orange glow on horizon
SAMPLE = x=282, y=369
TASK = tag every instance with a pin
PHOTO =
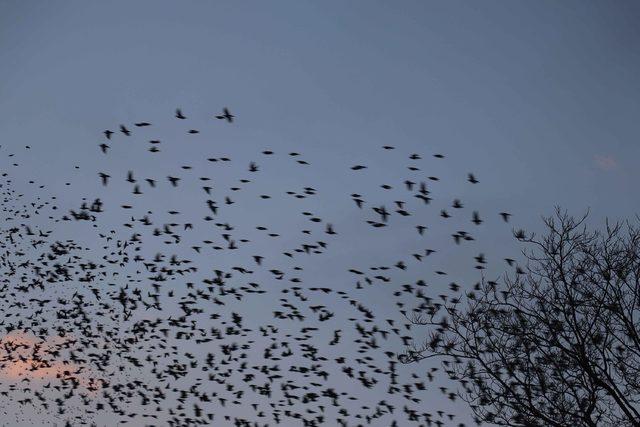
x=20, y=364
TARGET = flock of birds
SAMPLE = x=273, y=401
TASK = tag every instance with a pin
x=205, y=313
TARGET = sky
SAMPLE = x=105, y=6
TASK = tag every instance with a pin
x=546, y=91
x=540, y=100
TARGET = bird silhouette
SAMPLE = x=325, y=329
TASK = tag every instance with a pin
x=226, y=115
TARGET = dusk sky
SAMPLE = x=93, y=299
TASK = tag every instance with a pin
x=540, y=100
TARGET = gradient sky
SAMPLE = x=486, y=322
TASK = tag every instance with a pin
x=540, y=99
x=529, y=92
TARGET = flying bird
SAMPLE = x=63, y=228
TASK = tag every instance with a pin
x=226, y=115
x=104, y=177
x=476, y=218
x=505, y=216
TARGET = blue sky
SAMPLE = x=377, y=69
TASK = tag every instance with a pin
x=539, y=89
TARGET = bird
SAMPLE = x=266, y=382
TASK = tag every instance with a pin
x=226, y=115
x=480, y=259
x=472, y=179
x=179, y=114
x=505, y=216
x=520, y=234
x=329, y=229
x=104, y=177
x=476, y=218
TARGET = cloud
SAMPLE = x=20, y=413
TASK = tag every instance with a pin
x=605, y=163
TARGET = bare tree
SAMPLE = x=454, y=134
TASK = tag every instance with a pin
x=557, y=343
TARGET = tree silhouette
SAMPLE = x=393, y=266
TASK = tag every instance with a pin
x=557, y=343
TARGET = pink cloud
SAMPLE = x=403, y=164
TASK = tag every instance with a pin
x=606, y=163
x=19, y=363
